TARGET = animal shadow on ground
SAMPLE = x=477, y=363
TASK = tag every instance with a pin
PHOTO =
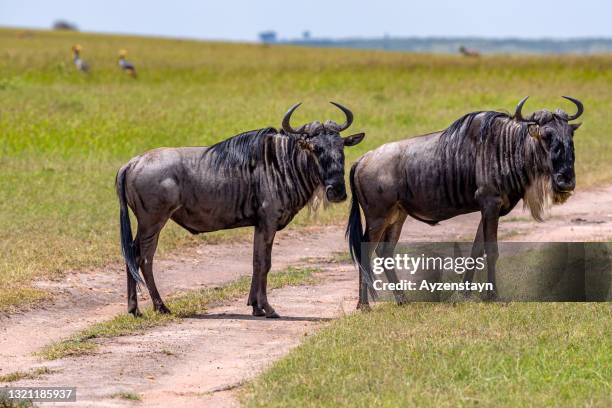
x=240, y=316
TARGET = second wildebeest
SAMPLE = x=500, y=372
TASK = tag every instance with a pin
x=261, y=178
x=485, y=161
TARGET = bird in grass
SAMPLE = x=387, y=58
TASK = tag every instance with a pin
x=79, y=63
x=126, y=65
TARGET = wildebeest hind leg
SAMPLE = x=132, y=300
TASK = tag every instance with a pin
x=374, y=229
x=147, y=239
x=131, y=294
x=386, y=250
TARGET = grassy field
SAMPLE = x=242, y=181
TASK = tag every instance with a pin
x=444, y=355
x=63, y=135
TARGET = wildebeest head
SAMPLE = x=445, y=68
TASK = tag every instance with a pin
x=323, y=140
x=556, y=135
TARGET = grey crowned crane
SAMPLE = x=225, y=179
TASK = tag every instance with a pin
x=125, y=65
x=79, y=63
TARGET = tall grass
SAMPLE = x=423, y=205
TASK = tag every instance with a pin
x=63, y=134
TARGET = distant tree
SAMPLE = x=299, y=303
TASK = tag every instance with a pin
x=306, y=35
x=64, y=25
x=268, y=37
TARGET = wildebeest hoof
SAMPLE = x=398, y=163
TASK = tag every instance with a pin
x=490, y=296
x=135, y=312
x=401, y=300
x=272, y=315
x=258, y=311
x=364, y=307
x=466, y=295
x=162, y=309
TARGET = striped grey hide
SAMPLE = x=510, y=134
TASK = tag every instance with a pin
x=261, y=178
x=485, y=161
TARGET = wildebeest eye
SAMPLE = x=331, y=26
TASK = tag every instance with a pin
x=548, y=134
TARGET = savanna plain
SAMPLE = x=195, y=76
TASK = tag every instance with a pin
x=64, y=134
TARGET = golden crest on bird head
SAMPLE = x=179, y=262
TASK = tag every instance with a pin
x=122, y=53
x=77, y=47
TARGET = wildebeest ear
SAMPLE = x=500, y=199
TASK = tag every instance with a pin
x=534, y=131
x=575, y=126
x=352, y=140
x=304, y=144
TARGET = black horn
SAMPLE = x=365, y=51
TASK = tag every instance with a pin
x=347, y=112
x=578, y=105
x=517, y=114
x=287, y=119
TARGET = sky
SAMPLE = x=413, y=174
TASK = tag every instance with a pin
x=242, y=20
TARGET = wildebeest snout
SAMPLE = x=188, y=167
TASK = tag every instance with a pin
x=565, y=181
x=335, y=192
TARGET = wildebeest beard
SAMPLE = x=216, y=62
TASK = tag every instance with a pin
x=540, y=194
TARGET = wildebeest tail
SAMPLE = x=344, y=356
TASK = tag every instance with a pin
x=355, y=235
x=128, y=249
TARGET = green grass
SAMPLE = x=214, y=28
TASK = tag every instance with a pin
x=183, y=306
x=445, y=355
x=126, y=395
x=6, y=402
x=64, y=134
x=22, y=375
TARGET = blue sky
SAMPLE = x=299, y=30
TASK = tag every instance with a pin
x=244, y=19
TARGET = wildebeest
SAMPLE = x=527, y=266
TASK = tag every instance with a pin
x=261, y=178
x=468, y=52
x=485, y=161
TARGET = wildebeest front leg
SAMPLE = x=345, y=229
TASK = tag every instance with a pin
x=147, y=239
x=490, y=207
x=262, y=262
x=477, y=251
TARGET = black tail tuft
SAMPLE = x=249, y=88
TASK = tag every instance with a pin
x=355, y=235
x=127, y=242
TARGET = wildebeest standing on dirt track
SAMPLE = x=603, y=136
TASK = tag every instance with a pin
x=261, y=178
x=485, y=161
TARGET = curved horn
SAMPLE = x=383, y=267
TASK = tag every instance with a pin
x=347, y=112
x=517, y=113
x=287, y=118
x=578, y=105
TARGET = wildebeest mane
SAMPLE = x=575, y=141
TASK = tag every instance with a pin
x=292, y=172
x=509, y=158
x=240, y=150
x=461, y=127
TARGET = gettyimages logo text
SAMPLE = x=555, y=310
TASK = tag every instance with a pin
x=412, y=264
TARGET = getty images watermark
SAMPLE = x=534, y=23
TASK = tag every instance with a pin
x=413, y=264
x=525, y=271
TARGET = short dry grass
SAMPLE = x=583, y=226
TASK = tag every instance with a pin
x=25, y=375
x=126, y=395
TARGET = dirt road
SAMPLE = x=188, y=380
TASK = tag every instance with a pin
x=203, y=360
